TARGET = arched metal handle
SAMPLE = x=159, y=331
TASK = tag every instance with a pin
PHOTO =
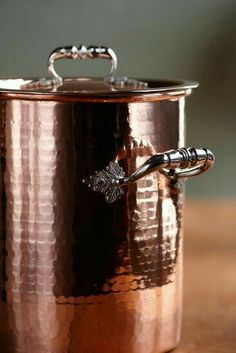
x=174, y=164
x=81, y=52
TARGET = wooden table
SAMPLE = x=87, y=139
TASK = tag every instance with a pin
x=209, y=321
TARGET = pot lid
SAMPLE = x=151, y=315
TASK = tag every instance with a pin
x=109, y=88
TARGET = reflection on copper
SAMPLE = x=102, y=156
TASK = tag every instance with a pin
x=81, y=275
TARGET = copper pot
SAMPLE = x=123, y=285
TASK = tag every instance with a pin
x=91, y=211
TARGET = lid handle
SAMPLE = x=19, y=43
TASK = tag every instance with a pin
x=82, y=52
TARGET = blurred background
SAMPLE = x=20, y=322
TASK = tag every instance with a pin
x=191, y=39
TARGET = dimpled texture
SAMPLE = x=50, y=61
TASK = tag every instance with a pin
x=79, y=275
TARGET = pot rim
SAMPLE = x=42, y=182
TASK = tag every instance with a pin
x=160, y=89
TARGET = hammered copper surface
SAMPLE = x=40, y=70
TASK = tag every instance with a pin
x=79, y=275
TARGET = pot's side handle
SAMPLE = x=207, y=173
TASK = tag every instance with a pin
x=82, y=52
x=174, y=164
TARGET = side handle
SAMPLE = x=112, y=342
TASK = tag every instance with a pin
x=174, y=164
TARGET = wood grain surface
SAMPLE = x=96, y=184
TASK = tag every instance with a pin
x=209, y=321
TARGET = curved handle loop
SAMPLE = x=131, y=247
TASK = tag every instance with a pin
x=81, y=52
x=174, y=164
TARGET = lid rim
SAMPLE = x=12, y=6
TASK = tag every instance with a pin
x=167, y=88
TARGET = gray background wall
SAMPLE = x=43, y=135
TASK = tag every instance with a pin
x=169, y=38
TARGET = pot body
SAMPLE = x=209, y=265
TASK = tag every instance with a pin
x=79, y=275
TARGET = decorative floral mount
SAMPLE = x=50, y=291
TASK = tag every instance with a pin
x=108, y=181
